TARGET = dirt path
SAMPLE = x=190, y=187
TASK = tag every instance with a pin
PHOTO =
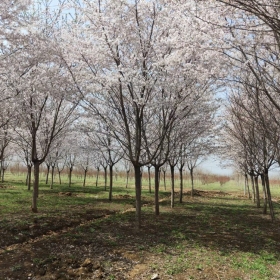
x=62, y=254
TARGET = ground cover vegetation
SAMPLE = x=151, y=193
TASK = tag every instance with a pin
x=218, y=233
x=142, y=89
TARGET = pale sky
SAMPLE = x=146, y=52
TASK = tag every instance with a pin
x=212, y=165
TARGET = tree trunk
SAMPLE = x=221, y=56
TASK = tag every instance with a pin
x=70, y=176
x=138, y=188
x=164, y=179
x=156, y=190
x=269, y=195
x=29, y=171
x=192, y=182
x=48, y=172
x=52, y=176
x=85, y=176
x=105, y=178
x=27, y=176
x=264, y=195
x=97, y=175
x=149, y=176
x=35, y=187
x=110, y=182
x=1, y=168
x=3, y=174
x=172, y=167
x=257, y=192
x=127, y=175
x=181, y=183
x=59, y=176
x=247, y=185
x=253, y=187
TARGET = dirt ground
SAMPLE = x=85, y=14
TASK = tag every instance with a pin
x=91, y=243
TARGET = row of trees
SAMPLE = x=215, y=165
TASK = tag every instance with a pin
x=138, y=80
x=135, y=78
x=251, y=136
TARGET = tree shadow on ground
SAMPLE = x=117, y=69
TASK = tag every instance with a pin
x=215, y=224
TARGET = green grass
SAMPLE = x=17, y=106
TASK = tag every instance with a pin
x=213, y=234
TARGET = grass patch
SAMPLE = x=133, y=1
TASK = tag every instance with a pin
x=212, y=235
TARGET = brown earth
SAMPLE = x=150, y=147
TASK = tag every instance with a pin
x=92, y=243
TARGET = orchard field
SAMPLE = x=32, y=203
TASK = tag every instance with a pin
x=78, y=234
x=127, y=88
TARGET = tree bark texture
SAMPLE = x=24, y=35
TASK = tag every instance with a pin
x=138, y=189
x=85, y=177
x=47, y=175
x=172, y=167
x=266, y=177
x=70, y=176
x=264, y=195
x=149, y=177
x=105, y=178
x=192, y=181
x=247, y=186
x=181, y=183
x=35, y=187
x=257, y=192
x=52, y=176
x=253, y=187
x=110, y=182
x=97, y=175
x=156, y=189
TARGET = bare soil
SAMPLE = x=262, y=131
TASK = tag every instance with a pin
x=195, y=240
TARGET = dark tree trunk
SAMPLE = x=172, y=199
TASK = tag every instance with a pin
x=52, y=175
x=172, y=167
x=264, y=195
x=247, y=185
x=97, y=175
x=192, y=181
x=181, y=183
x=138, y=189
x=149, y=177
x=48, y=172
x=266, y=178
x=3, y=174
x=164, y=179
x=156, y=189
x=59, y=176
x=110, y=182
x=28, y=178
x=1, y=168
x=70, y=176
x=127, y=175
x=257, y=192
x=35, y=187
x=85, y=176
x=253, y=187
x=105, y=177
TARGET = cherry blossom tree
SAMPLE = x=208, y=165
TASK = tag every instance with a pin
x=45, y=106
x=164, y=169
x=255, y=133
x=14, y=30
x=133, y=58
x=5, y=142
x=109, y=149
